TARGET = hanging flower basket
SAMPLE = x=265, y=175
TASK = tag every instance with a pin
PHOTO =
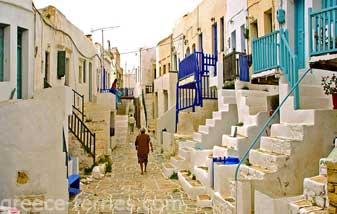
x=329, y=84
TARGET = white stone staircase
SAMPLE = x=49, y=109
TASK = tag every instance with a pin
x=211, y=133
x=315, y=190
x=277, y=168
x=253, y=113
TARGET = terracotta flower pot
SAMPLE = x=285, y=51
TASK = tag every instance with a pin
x=334, y=101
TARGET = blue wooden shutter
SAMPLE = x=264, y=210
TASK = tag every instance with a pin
x=61, y=64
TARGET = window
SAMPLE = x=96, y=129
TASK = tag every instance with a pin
x=243, y=38
x=222, y=34
x=2, y=35
x=169, y=67
x=61, y=64
x=84, y=71
x=215, y=39
x=80, y=74
x=164, y=69
x=188, y=52
x=46, y=69
x=254, y=30
x=193, y=48
x=200, y=42
x=268, y=22
x=233, y=36
x=19, y=64
x=159, y=70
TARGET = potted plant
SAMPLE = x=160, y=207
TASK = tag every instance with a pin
x=330, y=88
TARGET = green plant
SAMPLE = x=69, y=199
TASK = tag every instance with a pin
x=229, y=85
x=88, y=170
x=174, y=176
x=189, y=173
x=245, y=88
x=109, y=167
x=194, y=178
x=329, y=84
x=239, y=124
x=247, y=163
x=175, y=191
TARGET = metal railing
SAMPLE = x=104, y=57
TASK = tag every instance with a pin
x=191, y=93
x=266, y=125
x=322, y=31
x=127, y=92
x=78, y=103
x=265, y=52
x=88, y=139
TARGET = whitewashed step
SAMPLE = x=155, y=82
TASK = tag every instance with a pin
x=253, y=172
x=311, y=91
x=197, y=136
x=179, y=163
x=185, y=152
x=202, y=174
x=168, y=170
x=228, y=92
x=288, y=131
x=219, y=115
x=228, y=100
x=204, y=201
x=267, y=160
x=223, y=107
x=219, y=151
x=193, y=188
x=315, y=103
x=277, y=145
x=315, y=190
x=187, y=144
x=204, y=129
x=224, y=203
x=211, y=122
x=233, y=142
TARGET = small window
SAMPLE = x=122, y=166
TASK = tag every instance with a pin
x=80, y=74
x=233, y=36
x=61, y=64
x=222, y=34
x=164, y=69
x=84, y=71
x=2, y=36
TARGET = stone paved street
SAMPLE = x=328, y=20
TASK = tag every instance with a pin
x=126, y=191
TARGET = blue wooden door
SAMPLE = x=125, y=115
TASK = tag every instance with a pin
x=19, y=66
x=300, y=33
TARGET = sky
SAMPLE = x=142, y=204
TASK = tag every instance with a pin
x=143, y=23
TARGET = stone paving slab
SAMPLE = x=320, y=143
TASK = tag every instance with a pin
x=125, y=191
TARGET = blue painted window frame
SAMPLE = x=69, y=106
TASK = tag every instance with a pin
x=215, y=39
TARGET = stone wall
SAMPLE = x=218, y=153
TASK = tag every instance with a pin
x=332, y=186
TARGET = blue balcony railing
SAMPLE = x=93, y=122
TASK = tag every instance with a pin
x=265, y=52
x=323, y=31
x=273, y=51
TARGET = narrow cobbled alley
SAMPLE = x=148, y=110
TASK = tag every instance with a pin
x=124, y=190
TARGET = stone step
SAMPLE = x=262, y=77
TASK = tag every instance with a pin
x=228, y=100
x=197, y=136
x=204, y=201
x=187, y=144
x=253, y=172
x=223, y=107
x=179, y=163
x=223, y=204
x=227, y=92
x=168, y=169
x=315, y=190
x=193, y=188
x=305, y=207
x=219, y=151
x=311, y=91
x=288, y=131
x=267, y=160
x=202, y=174
x=211, y=122
x=219, y=115
x=277, y=145
x=315, y=103
x=204, y=129
x=185, y=152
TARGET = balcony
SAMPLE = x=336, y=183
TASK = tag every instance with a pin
x=235, y=65
x=323, y=37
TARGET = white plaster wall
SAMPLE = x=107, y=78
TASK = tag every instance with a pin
x=35, y=145
x=166, y=82
x=236, y=15
x=17, y=13
x=49, y=40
